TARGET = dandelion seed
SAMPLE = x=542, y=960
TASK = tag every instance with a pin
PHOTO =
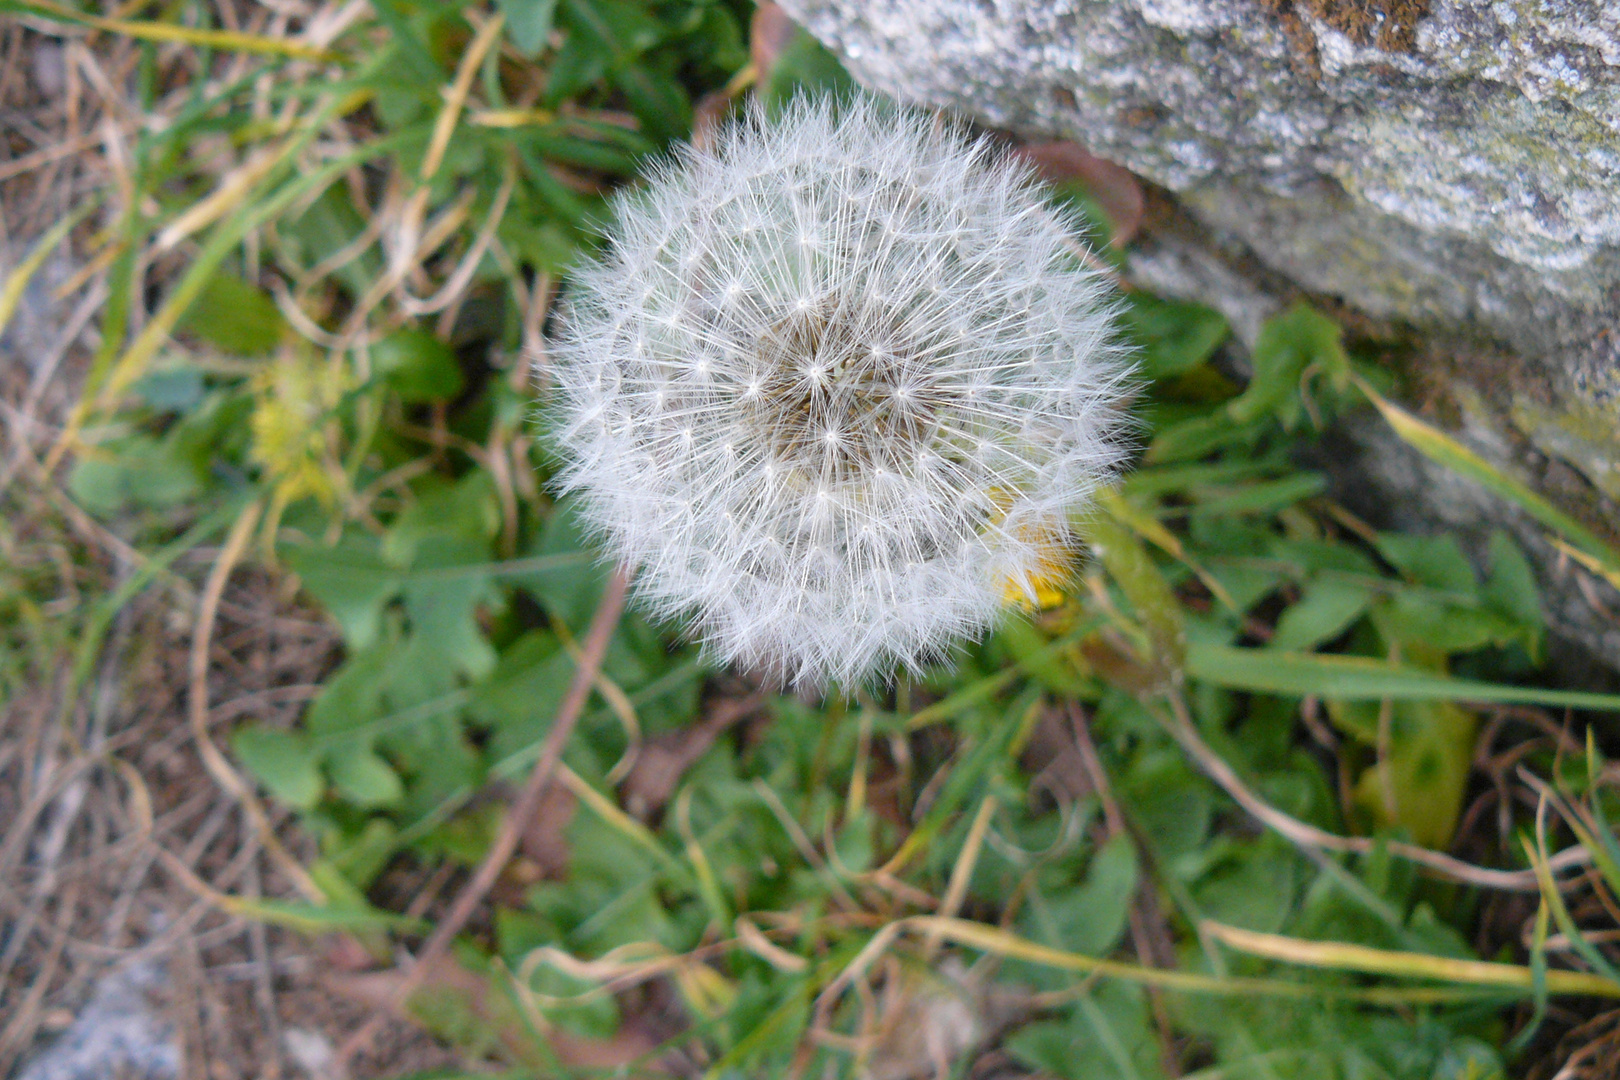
x=909, y=385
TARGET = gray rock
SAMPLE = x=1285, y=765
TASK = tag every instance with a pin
x=120, y=1032
x=1452, y=168
x=1500, y=126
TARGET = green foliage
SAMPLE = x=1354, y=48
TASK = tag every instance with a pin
x=234, y=317
x=391, y=444
x=1107, y=1034
x=417, y=366
x=1174, y=338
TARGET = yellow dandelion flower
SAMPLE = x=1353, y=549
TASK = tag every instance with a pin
x=290, y=429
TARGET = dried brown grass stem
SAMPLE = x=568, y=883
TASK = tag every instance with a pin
x=1180, y=725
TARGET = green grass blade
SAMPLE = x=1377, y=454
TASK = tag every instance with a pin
x=1362, y=678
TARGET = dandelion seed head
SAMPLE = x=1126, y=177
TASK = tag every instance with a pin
x=849, y=398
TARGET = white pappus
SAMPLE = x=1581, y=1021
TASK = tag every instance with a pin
x=837, y=387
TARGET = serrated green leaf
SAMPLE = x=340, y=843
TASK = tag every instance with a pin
x=582, y=60
x=283, y=762
x=1088, y=917
x=1246, y=584
x=853, y=843
x=351, y=698
x=236, y=318
x=445, y=639
x=363, y=778
x=1306, y=557
x=528, y=23
x=352, y=582
x=624, y=29
x=1424, y=621
x=1510, y=588
x=1287, y=345
x=139, y=471
x=719, y=39
x=1324, y=611
x=1435, y=561
x=465, y=512
x=1263, y=497
x=1253, y=888
x=417, y=366
x=360, y=858
x=570, y=593
x=1194, y=437
x=658, y=100
x=1155, y=481
x=1108, y=1036
x=520, y=698
x=1175, y=337
x=1171, y=804
x=174, y=389
x=1105, y=897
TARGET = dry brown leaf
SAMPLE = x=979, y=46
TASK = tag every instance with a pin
x=1054, y=760
x=768, y=34
x=665, y=759
x=543, y=841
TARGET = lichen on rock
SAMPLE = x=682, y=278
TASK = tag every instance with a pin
x=1498, y=123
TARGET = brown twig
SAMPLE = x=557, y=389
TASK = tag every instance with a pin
x=218, y=767
x=1150, y=937
x=1298, y=832
x=483, y=879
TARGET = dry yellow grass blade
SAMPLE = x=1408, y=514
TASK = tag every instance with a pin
x=232, y=189
x=228, y=40
x=1602, y=569
x=16, y=283
x=606, y=809
x=754, y=940
x=962, y=872
x=47, y=154
x=219, y=767
x=1343, y=956
x=243, y=218
x=510, y=118
x=1005, y=944
x=455, y=100
x=1152, y=530
x=1305, y=835
x=450, y=294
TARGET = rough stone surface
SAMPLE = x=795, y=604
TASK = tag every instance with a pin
x=1470, y=181
x=121, y=1032
x=1463, y=181
x=1501, y=126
